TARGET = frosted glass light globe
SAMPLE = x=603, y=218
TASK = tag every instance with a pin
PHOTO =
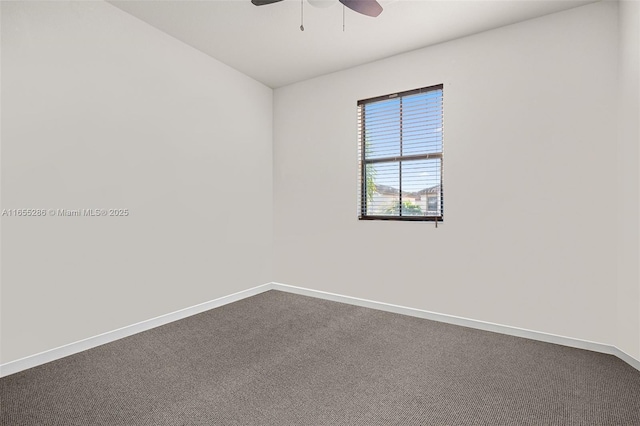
x=322, y=3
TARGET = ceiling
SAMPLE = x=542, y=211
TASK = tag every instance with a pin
x=266, y=43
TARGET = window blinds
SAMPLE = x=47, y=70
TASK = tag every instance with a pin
x=400, y=156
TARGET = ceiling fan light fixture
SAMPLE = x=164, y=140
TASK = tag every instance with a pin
x=366, y=7
x=322, y=3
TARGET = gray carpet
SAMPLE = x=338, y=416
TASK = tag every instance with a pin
x=283, y=359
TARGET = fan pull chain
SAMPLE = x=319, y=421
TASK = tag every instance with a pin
x=301, y=15
x=343, y=18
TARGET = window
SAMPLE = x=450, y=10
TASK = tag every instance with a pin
x=400, y=156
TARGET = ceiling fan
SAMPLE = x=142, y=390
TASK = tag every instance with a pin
x=366, y=7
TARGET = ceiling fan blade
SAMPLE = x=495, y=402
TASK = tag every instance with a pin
x=264, y=2
x=366, y=7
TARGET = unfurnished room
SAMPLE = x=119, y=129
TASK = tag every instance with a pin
x=320, y=212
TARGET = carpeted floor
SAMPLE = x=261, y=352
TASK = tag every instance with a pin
x=283, y=359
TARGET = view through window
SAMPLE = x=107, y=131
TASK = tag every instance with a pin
x=400, y=156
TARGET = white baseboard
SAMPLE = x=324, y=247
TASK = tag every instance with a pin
x=466, y=322
x=91, y=342
x=110, y=336
x=635, y=363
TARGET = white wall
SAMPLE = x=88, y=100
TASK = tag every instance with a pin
x=628, y=306
x=100, y=110
x=529, y=236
